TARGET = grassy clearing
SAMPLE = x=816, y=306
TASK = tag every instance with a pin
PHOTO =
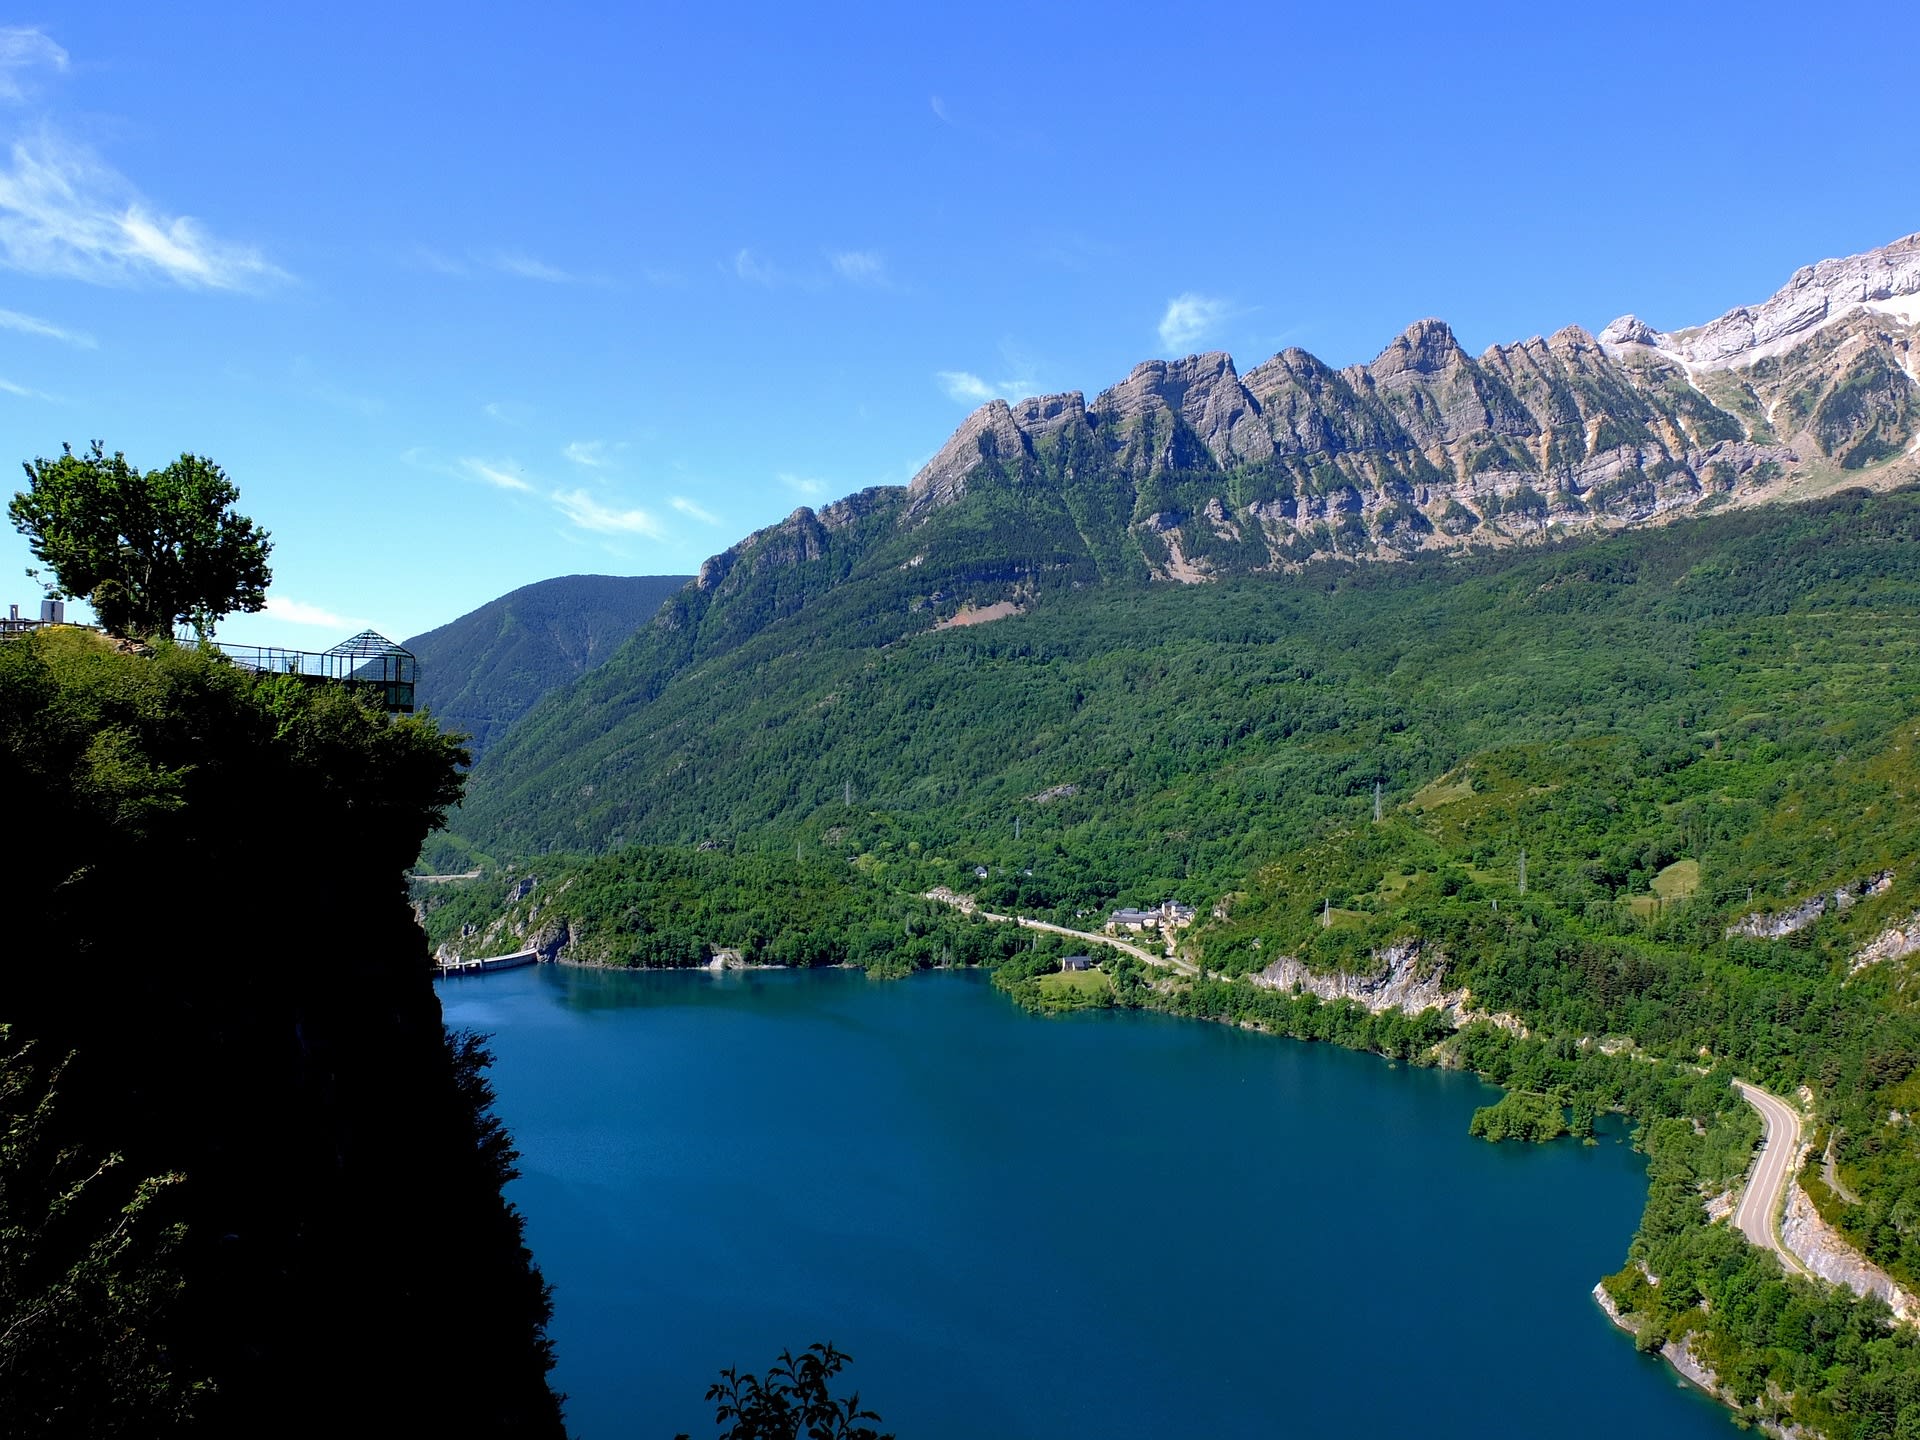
x=1079, y=983
x=1678, y=880
x=1443, y=791
x=1338, y=919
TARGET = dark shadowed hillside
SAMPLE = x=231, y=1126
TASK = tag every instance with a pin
x=249, y=1185
x=480, y=673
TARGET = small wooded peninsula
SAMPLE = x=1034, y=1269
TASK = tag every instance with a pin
x=248, y=1184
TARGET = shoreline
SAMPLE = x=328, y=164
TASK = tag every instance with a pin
x=1693, y=1372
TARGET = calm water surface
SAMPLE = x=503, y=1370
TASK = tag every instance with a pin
x=1104, y=1225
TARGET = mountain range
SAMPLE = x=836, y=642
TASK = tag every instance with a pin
x=1428, y=446
x=1189, y=472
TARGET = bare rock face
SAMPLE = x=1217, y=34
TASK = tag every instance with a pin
x=1777, y=926
x=803, y=537
x=1046, y=415
x=1629, y=330
x=1203, y=394
x=989, y=434
x=1827, y=362
x=1823, y=1250
x=1403, y=983
x=1429, y=447
x=1312, y=409
x=1884, y=281
x=1436, y=392
x=843, y=514
x=1896, y=942
x=1772, y=926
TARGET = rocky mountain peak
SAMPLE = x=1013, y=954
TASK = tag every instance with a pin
x=1571, y=340
x=1885, y=281
x=1203, y=391
x=1041, y=415
x=1426, y=348
x=989, y=433
x=1629, y=330
x=1166, y=383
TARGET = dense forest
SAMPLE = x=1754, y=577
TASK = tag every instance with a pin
x=481, y=672
x=1652, y=794
x=248, y=1183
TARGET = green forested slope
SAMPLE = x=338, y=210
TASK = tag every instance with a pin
x=480, y=673
x=1205, y=726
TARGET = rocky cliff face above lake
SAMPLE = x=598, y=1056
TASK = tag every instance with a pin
x=1188, y=470
x=1430, y=447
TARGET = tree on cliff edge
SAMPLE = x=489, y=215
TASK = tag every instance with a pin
x=147, y=550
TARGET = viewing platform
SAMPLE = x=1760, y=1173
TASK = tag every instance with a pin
x=368, y=661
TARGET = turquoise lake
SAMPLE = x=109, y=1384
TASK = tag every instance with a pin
x=1108, y=1224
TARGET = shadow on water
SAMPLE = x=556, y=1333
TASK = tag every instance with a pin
x=1108, y=1223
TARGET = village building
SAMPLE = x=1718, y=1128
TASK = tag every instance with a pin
x=1169, y=914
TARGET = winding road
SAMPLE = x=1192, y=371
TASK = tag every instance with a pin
x=965, y=904
x=1759, y=1214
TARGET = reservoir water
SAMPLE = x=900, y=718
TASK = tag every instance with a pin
x=1109, y=1224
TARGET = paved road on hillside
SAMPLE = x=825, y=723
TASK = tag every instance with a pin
x=1759, y=1213
x=961, y=902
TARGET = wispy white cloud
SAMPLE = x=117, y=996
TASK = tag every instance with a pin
x=861, y=267
x=493, y=474
x=581, y=508
x=440, y=263
x=507, y=412
x=590, y=453
x=587, y=513
x=22, y=51
x=866, y=268
x=753, y=269
x=1191, y=318
x=802, y=484
x=25, y=392
x=45, y=329
x=514, y=262
x=687, y=507
x=298, y=612
x=64, y=211
x=939, y=108
x=341, y=398
x=964, y=385
x=969, y=389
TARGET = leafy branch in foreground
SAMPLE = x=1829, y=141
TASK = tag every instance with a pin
x=791, y=1402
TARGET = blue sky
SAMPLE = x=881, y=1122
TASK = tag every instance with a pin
x=468, y=296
